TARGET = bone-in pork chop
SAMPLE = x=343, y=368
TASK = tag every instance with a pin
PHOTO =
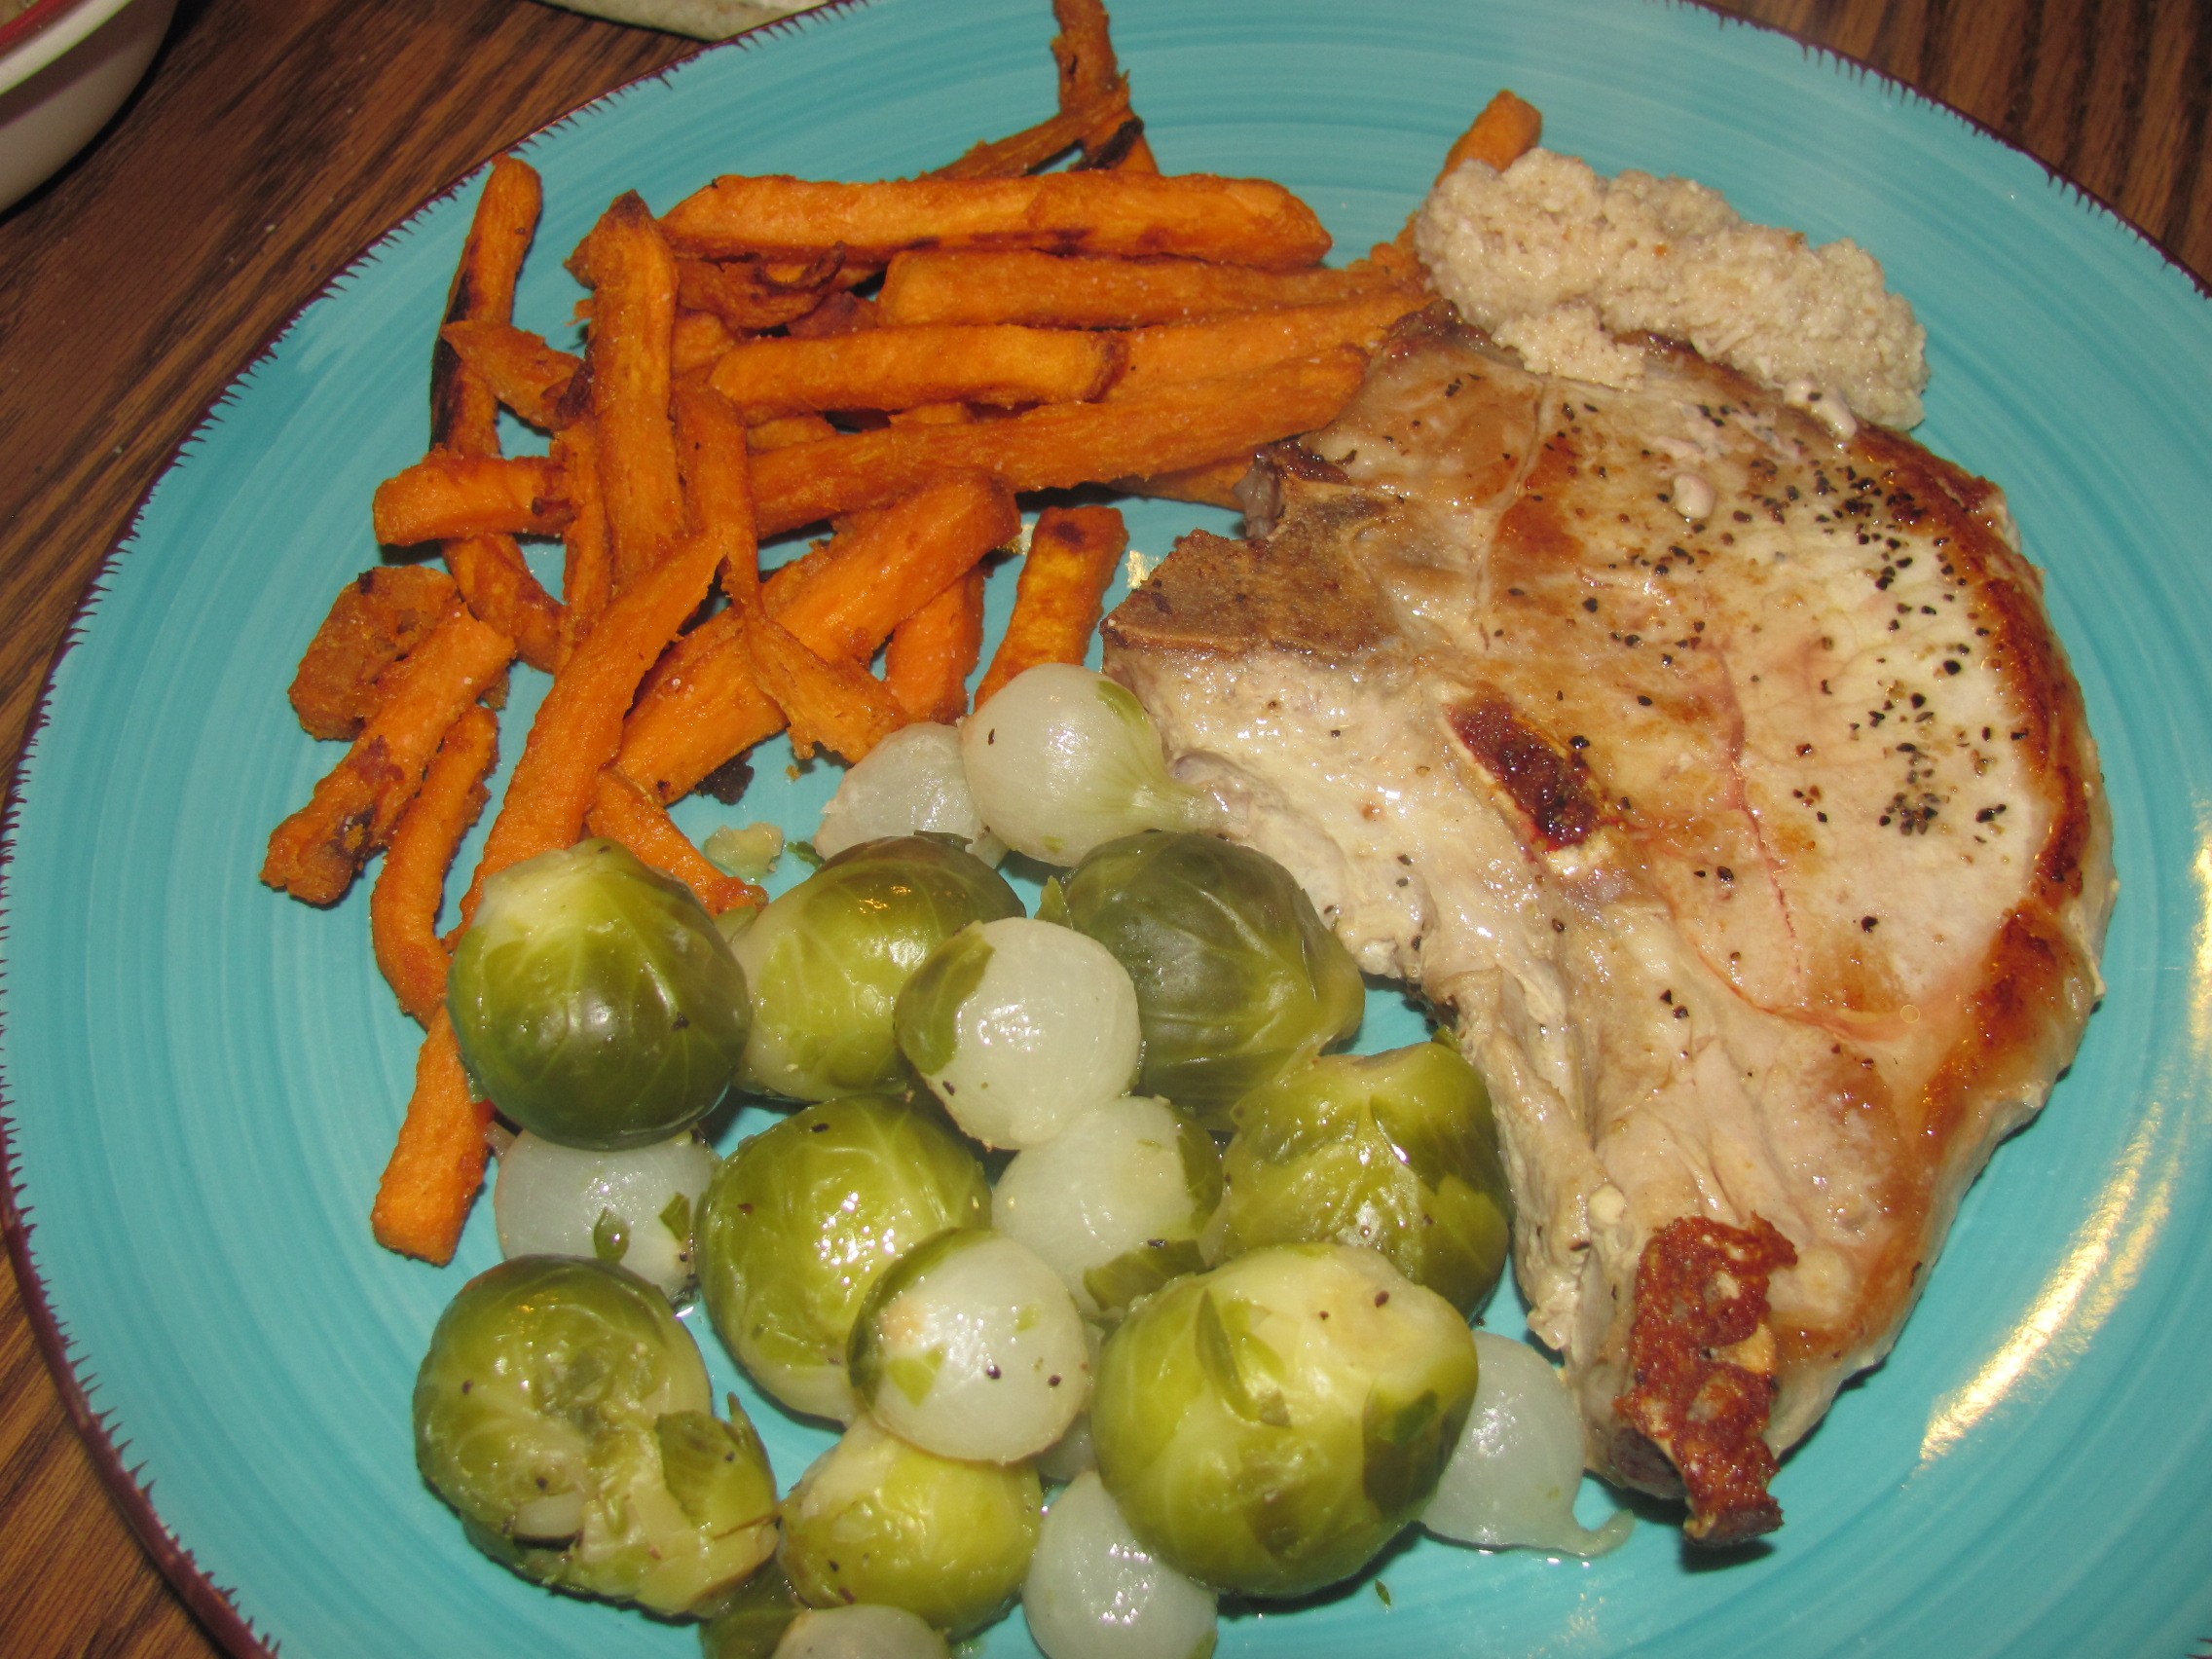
x=1722, y=783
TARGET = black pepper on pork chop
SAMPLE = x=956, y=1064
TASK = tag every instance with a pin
x=1721, y=781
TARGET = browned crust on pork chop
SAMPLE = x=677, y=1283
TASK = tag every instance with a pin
x=1760, y=858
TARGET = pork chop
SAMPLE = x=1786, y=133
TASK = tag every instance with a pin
x=1719, y=779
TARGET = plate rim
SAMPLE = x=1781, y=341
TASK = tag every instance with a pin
x=211, y=1605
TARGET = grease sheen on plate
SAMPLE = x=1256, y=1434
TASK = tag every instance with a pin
x=204, y=1076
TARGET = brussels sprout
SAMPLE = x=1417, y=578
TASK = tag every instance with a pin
x=595, y=1001
x=970, y=1347
x=879, y=1520
x=1237, y=980
x=1397, y=1151
x=1114, y=1201
x=1093, y=1593
x=801, y=1219
x=825, y=962
x=910, y=781
x=630, y=1207
x=565, y=1413
x=1513, y=1476
x=1269, y=1426
x=1019, y=1025
x=1061, y=758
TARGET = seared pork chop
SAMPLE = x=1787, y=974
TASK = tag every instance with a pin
x=1721, y=782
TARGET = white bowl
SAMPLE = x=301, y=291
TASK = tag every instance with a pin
x=64, y=76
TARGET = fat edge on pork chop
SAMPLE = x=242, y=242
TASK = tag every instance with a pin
x=1720, y=781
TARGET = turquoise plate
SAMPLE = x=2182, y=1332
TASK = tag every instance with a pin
x=205, y=1077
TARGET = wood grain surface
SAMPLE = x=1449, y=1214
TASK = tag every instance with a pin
x=275, y=138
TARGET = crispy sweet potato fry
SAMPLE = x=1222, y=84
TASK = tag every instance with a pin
x=786, y=431
x=1057, y=445
x=717, y=484
x=839, y=314
x=438, y=1164
x=1253, y=339
x=931, y=654
x=444, y=497
x=1244, y=221
x=749, y=297
x=1213, y=484
x=701, y=708
x=499, y=587
x=899, y=368
x=633, y=281
x=934, y=415
x=1073, y=554
x=1091, y=83
x=315, y=854
x=463, y=415
x=624, y=812
x=579, y=724
x=1027, y=151
x=1047, y=290
x=410, y=888
x=377, y=618
x=523, y=372
x=587, y=581
x=839, y=706
x=887, y=566
x=698, y=339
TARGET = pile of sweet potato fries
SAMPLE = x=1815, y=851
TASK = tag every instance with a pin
x=899, y=360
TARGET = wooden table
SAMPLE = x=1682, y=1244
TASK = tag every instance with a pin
x=276, y=138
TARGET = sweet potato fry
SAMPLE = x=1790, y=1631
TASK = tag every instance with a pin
x=931, y=654
x=587, y=581
x=698, y=339
x=899, y=368
x=1091, y=83
x=315, y=854
x=410, y=889
x=1213, y=484
x=1027, y=151
x=1057, y=445
x=633, y=281
x=444, y=497
x=438, y=1164
x=1253, y=339
x=717, y=484
x=701, y=708
x=1244, y=221
x=881, y=571
x=934, y=415
x=1058, y=292
x=464, y=417
x=500, y=589
x=786, y=431
x=1073, y=554
x=749, y=297
x=377, y=618
x=839, y=706
x=837, y=314
x=622, y=811
x=579, y=724
x=523, y=372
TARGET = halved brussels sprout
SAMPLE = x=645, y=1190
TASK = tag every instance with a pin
x=970, y=1347
x=595, y=1000
x=1237, y=979
x=877, y=1520
x=1397, y=1151
x=826, y=961
x=802, y=1218
x=564, y=1411
x=1269, y=1426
